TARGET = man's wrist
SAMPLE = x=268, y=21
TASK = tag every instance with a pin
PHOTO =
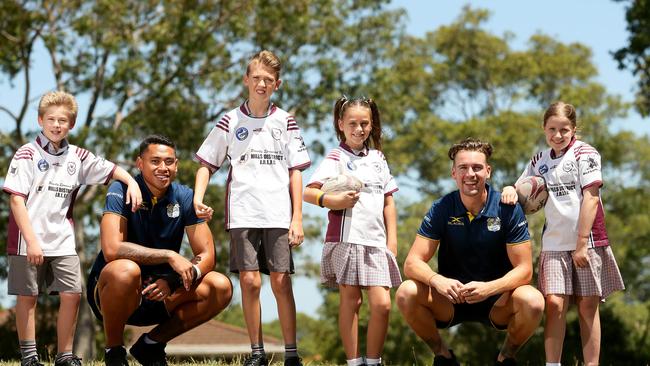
x=197, y=273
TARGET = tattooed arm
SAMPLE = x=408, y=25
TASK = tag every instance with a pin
x=114, y=246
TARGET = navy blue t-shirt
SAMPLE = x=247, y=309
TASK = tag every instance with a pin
x=157, y=224
x=474, y=250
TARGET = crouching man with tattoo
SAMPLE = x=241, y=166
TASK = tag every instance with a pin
x=139, y=277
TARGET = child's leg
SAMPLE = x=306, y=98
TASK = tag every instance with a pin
x=25, y=324
x=349, y=304
x=283, y=292
x=556, y=308
x=589, y=328
x=379, y=300
x=66, y=324
x=250, y=283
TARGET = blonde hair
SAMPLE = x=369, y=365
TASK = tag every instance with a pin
x=59, y=98
x=268, y=59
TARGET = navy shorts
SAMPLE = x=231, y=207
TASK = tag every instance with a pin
x=148, y=313
x=479, y=312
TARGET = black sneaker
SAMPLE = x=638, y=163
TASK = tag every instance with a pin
x=31, y=361
x=444, y=361
x=258, y=359
x=293, y=361
x=72, y=360
x=149, y=354
x=507, y=362
x=115, y=356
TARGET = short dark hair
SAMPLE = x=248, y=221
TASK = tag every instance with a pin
x=471, y=144
x=155, y=140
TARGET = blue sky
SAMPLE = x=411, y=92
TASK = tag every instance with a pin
x=598, y=24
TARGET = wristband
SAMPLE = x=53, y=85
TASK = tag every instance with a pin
x=321, y=196
x=197, y=273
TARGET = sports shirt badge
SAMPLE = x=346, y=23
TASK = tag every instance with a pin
x=493, y=224
x=173, y=210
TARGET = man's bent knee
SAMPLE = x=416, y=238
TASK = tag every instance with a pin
x=406, y=295
x=121, y=272
x=528, y=299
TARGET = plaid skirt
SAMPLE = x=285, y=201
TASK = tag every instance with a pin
x=559, y=276
x=358, y=265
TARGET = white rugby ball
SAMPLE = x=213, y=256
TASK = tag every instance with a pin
x=532, y=193
x=341, y=183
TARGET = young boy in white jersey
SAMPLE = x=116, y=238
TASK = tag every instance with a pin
x=43, y=180
x=263, y=198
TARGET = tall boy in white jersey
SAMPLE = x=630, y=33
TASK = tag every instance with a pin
x=43, y=180
x=263, y=198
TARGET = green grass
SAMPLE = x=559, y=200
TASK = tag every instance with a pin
x=236, y=362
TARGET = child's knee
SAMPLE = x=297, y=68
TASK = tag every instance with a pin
x=250, y=282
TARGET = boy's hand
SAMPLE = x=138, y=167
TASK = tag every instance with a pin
x=183, y=267
x=34, y=254
x=347, y=199
x=157, y=291
x=296, y=234
x=203, y=211
x=133, y=195
x=509, y=195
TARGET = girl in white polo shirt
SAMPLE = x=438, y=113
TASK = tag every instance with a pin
x=576, y=258
x=361, y=239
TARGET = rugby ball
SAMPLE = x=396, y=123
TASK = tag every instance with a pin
x=532, y=193
x=341, y=183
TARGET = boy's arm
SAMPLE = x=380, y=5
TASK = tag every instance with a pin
x=113, y=233
x=200, y=185
x=19, y=211
x=390, y=221
x=133, y=194
x=296, y=235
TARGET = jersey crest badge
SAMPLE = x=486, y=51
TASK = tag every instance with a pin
x=276, y=133
x=241, y=133
x=351, y=165
x=493, y=224
x=72, y=168
x=173, y=210
x=568, y=166
x=43, y=165
x=543, y=169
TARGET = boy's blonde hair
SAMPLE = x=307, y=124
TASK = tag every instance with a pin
x=268, y=59
x=59, y=98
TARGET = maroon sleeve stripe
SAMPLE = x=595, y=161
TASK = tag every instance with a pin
x=11, y=191
x=213, y=168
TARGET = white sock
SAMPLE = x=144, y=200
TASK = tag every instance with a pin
x=355, y=362
x=554, y=364
x=373, y=361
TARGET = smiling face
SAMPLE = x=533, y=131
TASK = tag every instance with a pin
x=55, y=123
x=356, y=124
x=158, y=164
x=559, y=132
x=471, y=171
x=261, y=81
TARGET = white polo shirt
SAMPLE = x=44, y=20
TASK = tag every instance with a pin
x=566, y=176
x=364, y=223
x=261, y=152
x=49, y=180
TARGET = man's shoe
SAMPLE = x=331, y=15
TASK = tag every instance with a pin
x=293, y=361
x=258, y=359
x=507, y=362
x=115, y=356
x=32, y=361
x=444, y=361
x=71, y=360
x=149, y=354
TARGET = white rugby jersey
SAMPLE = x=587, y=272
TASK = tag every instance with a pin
x=49, y=181
x=566, y=176
x=364, y=223
x=261, y=152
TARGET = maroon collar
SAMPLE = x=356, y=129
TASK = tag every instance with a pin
x=573, y=141
x=247, y=111
x=347, y=148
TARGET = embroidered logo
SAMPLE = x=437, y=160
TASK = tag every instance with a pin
x=241, y=133
x=173, y=210
x=72, y=168
x=13, y=170
x=568, y=166
x=543, y=169
x=43, y=165
x=456, y=221
x=351, y=165
x=493, y=224
x=276, y=133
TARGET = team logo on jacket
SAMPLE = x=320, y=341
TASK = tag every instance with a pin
x=493, y=224
x=241, y=133
x=276, y=133
x=543, y=169
x=43, y=165
x=72, y=168
x=173, y=210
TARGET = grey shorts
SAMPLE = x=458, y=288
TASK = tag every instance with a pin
x=56, y=274
x=264, y=250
